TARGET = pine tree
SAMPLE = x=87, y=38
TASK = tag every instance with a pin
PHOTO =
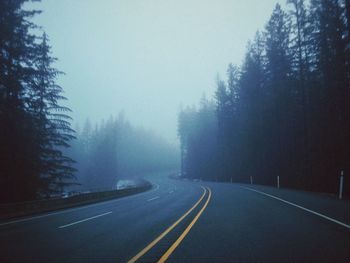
x=285, y=111
x=223, y=122
x=34, y=127
x=19, y=152
x=333, y=91
x=186, y=119
x=301, y=49
x=52, y=123
x=278, y=68
x=252, y=109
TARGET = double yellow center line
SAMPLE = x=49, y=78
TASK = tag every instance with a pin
x=172, y=248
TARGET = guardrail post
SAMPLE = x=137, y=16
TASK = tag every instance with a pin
x=278, y=181
x=341, y=184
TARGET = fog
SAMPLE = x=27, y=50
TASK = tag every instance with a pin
x=171, y=113
x=146, y=58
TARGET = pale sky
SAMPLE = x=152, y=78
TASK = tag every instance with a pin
x=146, y=57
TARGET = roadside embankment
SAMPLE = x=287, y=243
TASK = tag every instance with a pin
x=46, y=205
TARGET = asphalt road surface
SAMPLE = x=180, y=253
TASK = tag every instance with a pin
x=183, y=221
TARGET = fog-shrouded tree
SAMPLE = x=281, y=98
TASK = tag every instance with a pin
x=252, y=109
x=186, y=121
x=32, y=128
x=301, y=55
x=19, y=153
x=284, y=112
x=198, y=137
x=278, y=91
x=223, y=106
x=115, y=150
x=54, y=131
x=330, y=98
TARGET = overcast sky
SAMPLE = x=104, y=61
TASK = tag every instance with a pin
x=146, y=57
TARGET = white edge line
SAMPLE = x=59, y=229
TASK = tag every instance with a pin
x=301, y=207
x=31, y=218
x=83, y=220
x=154, y=198
x=171, y=192
x=68, y=210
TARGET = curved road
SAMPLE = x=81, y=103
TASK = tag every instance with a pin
x=182, y=221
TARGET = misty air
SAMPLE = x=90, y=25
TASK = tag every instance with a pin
x=174, y=131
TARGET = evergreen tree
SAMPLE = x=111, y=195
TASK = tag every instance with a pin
x=252, y=109
x=186, y=120
x=333, y=112
x=223, y=118
x=278, y=71
x=19, y=153
x=34, y=127
x=54, y=131
x=301, y=49
x=285, y=111
x=198, y=134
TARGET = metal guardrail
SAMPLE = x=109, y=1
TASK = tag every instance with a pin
x=47, y=205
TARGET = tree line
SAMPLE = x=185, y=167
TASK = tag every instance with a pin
x=34, y=124
x=285, y=111
x=40, y=154
x=115, y=149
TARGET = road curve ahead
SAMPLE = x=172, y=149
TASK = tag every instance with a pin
x=182, y=221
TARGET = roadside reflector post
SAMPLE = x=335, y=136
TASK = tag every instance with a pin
x=231, y=180
x=278, y=181
x=341, y=184
x=251, y=179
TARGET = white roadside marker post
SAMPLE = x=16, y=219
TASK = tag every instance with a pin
x=341, y=184
x=251, y=179
x=231, y=180
x=278, y=181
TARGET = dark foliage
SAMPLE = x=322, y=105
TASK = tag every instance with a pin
x=33, y=126
x=285, y=112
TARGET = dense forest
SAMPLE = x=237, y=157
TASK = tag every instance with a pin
x=35, y=126
x=114, y=150
x=285, y=111
x=36, y=157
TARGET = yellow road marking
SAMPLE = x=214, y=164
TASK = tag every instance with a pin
x=155, y=241
x=178, y=241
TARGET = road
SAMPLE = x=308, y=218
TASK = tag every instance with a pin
x=183, y=221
